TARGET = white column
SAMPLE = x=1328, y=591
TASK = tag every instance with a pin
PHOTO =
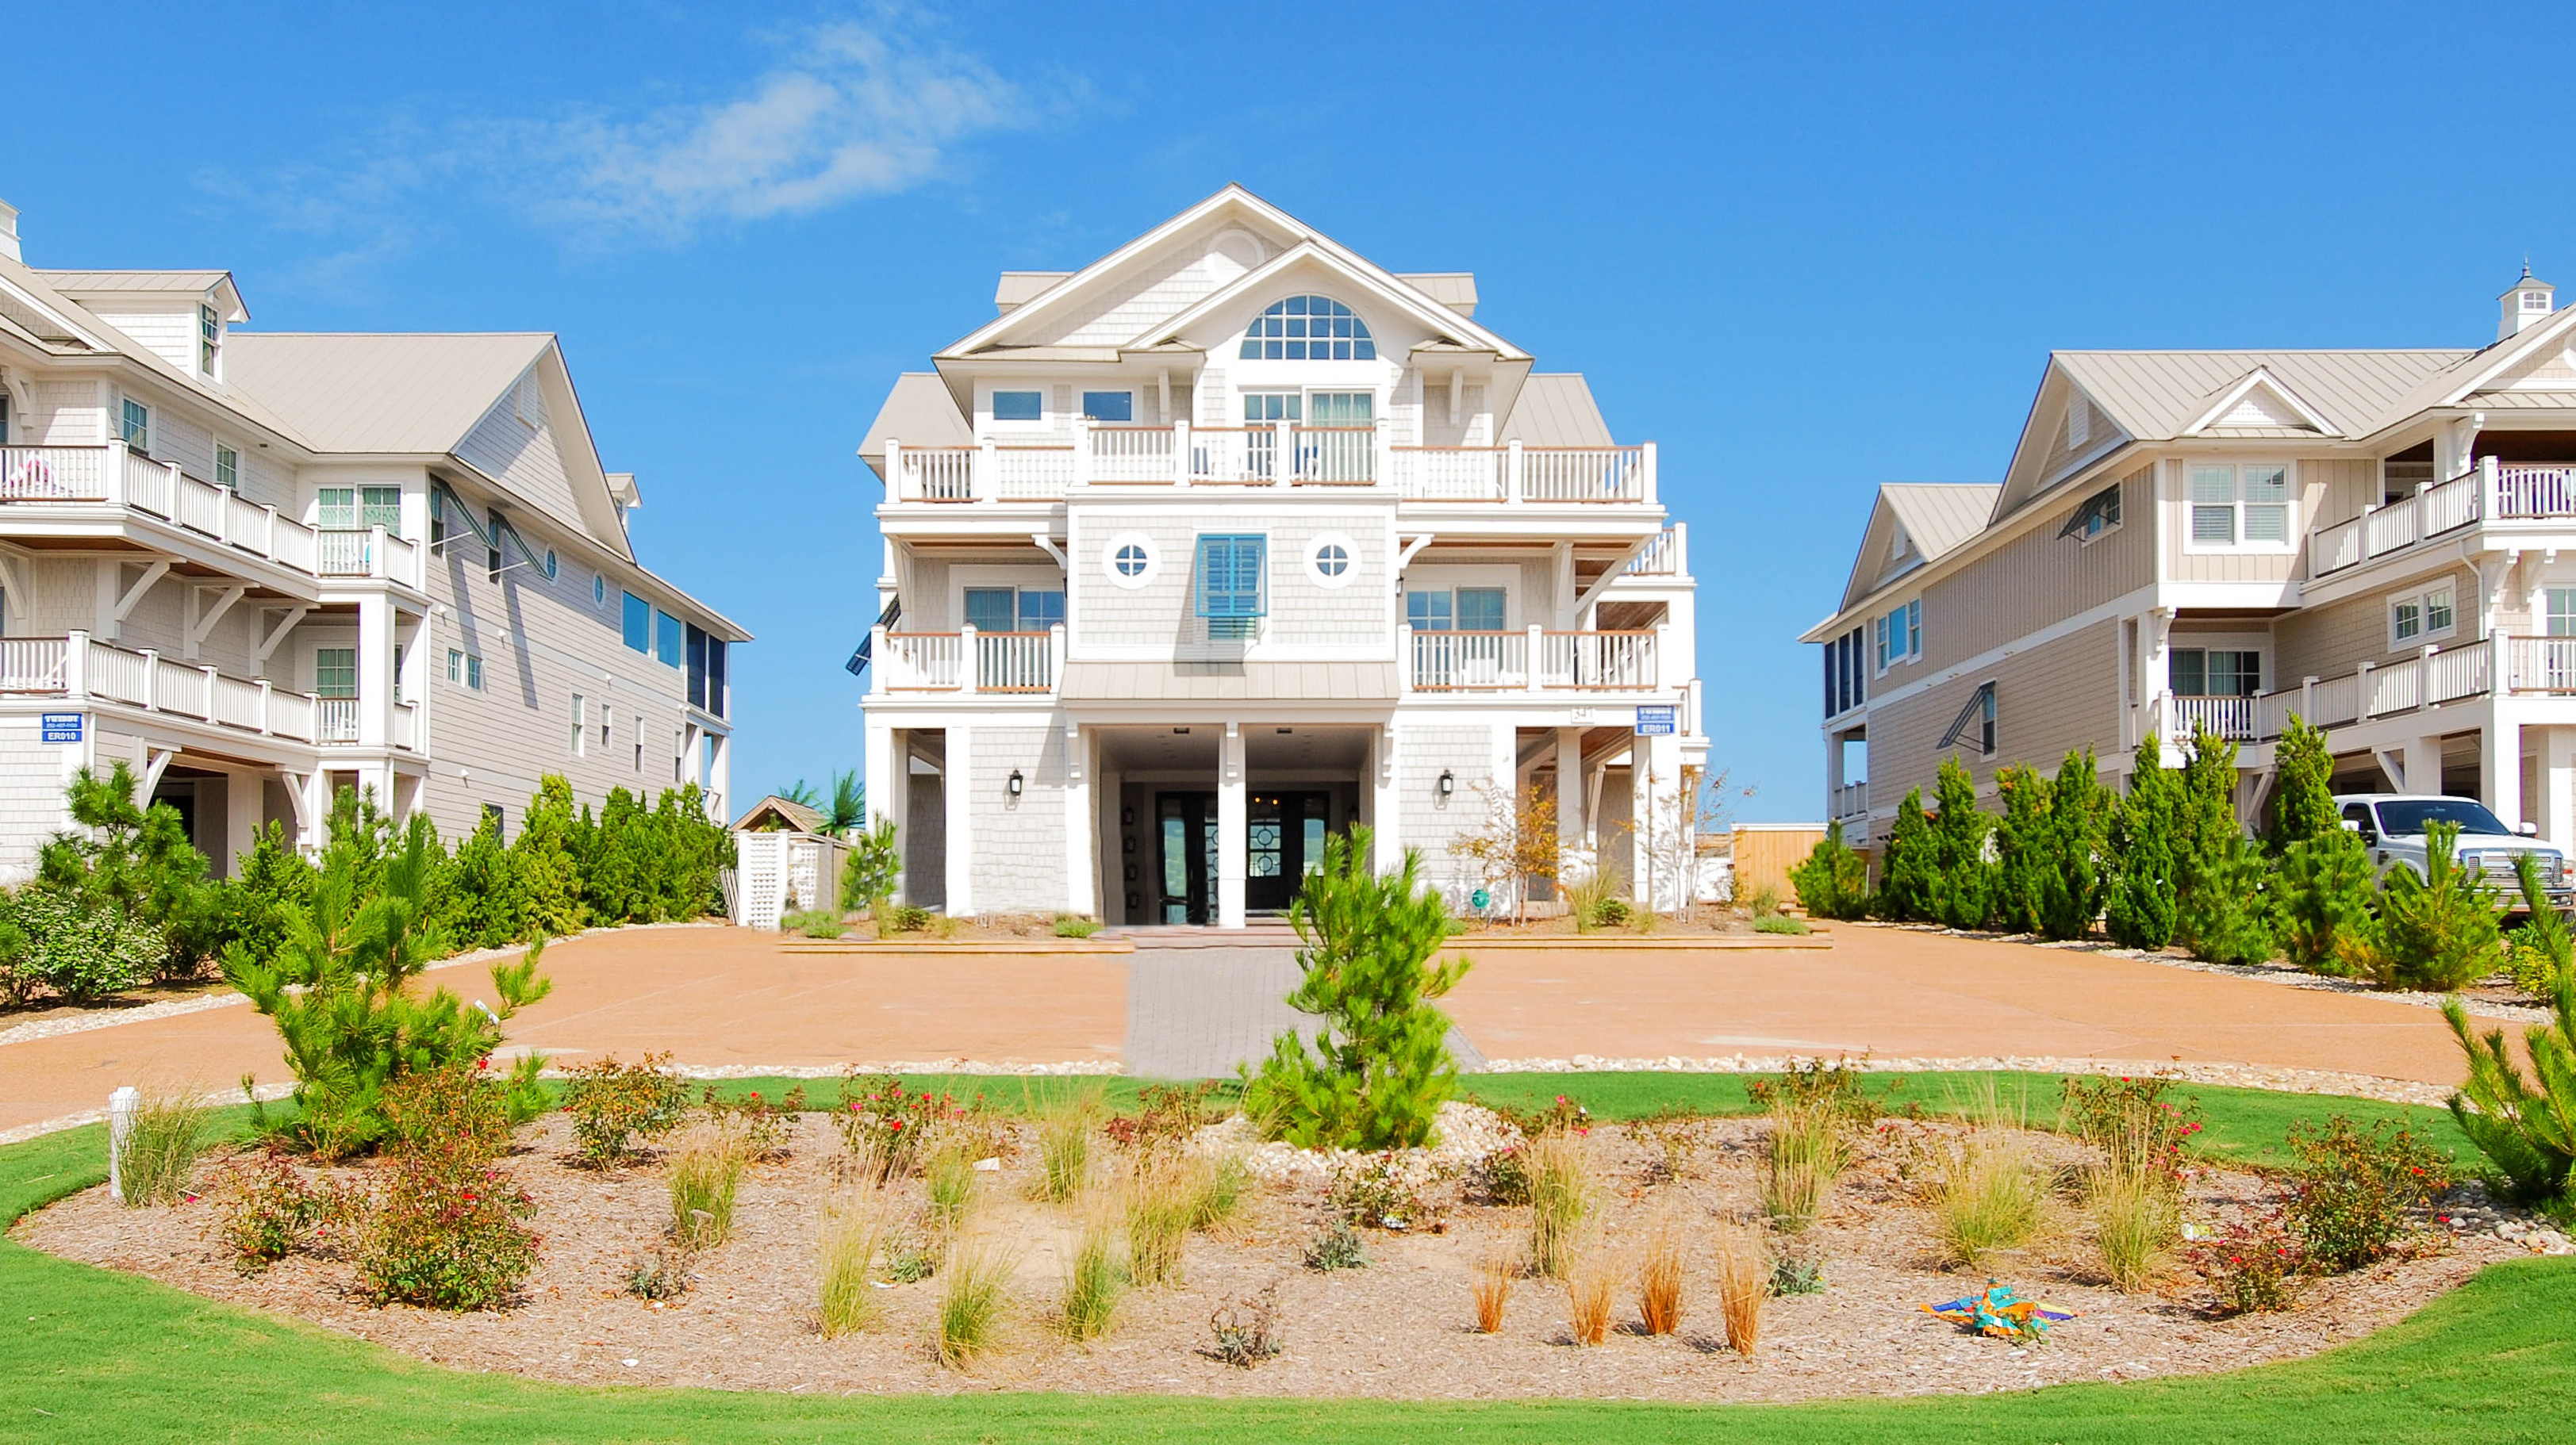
x=884, y=772
x=1230, y=823
x=375, y=672
x=244, y=804
x=2558, y=781
x=1572, y=840
x=957, y=789
x=2499, y=765
x=720, y=779
x=2423, y=765
x=1386, y=799
x=1080, y=895
x=1109, y=834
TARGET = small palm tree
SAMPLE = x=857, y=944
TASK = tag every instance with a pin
x=849, y=807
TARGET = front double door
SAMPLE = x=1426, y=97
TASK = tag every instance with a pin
x=1283, y=837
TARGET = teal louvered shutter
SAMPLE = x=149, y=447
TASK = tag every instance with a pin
x=1230, y=573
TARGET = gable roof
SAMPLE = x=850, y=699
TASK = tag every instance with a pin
x=1232, y=202
x=796, y=815
x=1937, y=517
x=919, y=412
x=2159, y=395
x=38, y=300
x=408, y=393
x=2257, y=404
x=1317, y=252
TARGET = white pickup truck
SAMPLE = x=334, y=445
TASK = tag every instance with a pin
x=2391, y=826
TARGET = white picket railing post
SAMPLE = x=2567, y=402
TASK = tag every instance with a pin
x=1283, y=453
x=111, y=476
x=1055, y=654
x=1181, y=453
x=2489, y=494
x=969, y=662
x=263, y=685
x=1404, y=656
x=122, y=1106
x=1512, y=474
x=76, y=665
x=1082, y=445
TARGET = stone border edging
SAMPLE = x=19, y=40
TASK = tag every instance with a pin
x=1714, y=943
x=899, y=946
x=2248, y=1076
x=174, y=1008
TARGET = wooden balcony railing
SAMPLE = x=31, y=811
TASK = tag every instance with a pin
x=1004, y=662
x=79, y=668
x=2504, y=491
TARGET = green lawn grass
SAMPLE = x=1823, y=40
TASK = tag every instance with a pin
x=87, y=1355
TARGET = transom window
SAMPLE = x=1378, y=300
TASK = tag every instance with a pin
x=2216, y=672
x=2422, y=616
x=1308, y=328
x=2240, y=506
x=1463, y=609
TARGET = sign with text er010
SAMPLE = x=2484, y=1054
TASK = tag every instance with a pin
x=1655, y=722
x=62, y=727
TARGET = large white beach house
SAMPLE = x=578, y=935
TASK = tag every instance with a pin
x=1233, y=539
x=262, y=566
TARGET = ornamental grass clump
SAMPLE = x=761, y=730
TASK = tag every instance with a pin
x=1591, y=1285
x=889, y=1126
x=1065, y=1130
x=972, y=1302
x=1744, y=1278
x=2136, y=1222
x=851, y=1238
x=948, y=1180
x=1660, y=1289
x=163, y=1141
x=1094, y=1280
x=1806, y=1152
x=2134, y=1196
x=1561, y=1194
x=1160, y=1199
x=1494, y=1275
x=706, y=1170
x=1988, y=1197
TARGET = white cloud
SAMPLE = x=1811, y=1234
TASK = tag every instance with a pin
x=858, y=110
x=848, y=110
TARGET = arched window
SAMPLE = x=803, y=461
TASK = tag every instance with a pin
x=1308, y=328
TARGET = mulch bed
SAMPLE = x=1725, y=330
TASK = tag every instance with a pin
x=1399, y=1328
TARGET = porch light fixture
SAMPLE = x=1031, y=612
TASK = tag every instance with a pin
x=1448, y=782
x=1014, y=784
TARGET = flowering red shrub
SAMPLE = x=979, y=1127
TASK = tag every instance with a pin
x=271, y=1211
x=2133, y=1122
x=2254, y=1267
x=764, y=1122
x=881, y=1119
x=451, y=1235
x=614, y=1106
x=2352, y=1190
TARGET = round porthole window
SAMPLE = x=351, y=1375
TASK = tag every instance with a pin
x=1333, y=559
x=1131, y=559
x=550, y=564
x=599, y=591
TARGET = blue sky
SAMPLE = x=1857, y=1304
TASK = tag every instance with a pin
x=1806, y=248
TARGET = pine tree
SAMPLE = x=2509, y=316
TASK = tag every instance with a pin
x=2303, y=786
x=2080, y=822
x=1832, y=882
x=2140, y=894
x=1380, y=1067
x=2027, y=846
x=1963, y=878
x=547, y=868
x=2323, y=899
x=1906, y=873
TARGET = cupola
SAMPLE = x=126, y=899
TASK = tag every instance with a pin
x=2525, y=302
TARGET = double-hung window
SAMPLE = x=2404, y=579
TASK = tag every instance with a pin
x=2216, y=672
x=2420, y=617
x=335, y=672
x=210, y=340
x=227, y=468
x=1897, y=635
x=354, y=509
x=134, y=424
x=1232, y=597
x=2244, y=506
x=580, y=725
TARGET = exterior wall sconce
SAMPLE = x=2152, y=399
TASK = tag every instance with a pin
x=1448, y=782
x=1014, y=785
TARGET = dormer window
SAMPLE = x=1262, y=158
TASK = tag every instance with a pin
x=1308, y=328
x=210, y=340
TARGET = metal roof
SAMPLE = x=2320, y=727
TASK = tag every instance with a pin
x=380, y=391
x=1555, y=409
x=1940, y=516
x=919, y=412
x=77, y=282
x=2155, y=395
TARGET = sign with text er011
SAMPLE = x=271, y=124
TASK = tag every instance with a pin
x=1655, y=722
x=62, y=727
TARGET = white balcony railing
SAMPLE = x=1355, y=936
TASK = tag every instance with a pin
x=1014, y=661
x=2505, y=491
x=1444, y=661
x=1849, y=801
x=1668, y=555
x=2226, y=717
x=1272, y=454
x=80, y=668
x=117, y=476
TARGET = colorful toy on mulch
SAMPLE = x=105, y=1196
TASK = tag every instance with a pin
x=1999, y=1313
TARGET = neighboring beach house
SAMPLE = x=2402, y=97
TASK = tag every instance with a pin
x=259, y=567
x=1233, y=539
x=2382, y=542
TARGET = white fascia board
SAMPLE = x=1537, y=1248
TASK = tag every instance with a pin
x=2509, y=353
x=1384, y=284
x=2262, y=376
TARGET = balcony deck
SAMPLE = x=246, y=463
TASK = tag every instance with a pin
x=69, y=480
x=2501, y=665
x=1282, y=456
x=79, y=668
x=2496, y=491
